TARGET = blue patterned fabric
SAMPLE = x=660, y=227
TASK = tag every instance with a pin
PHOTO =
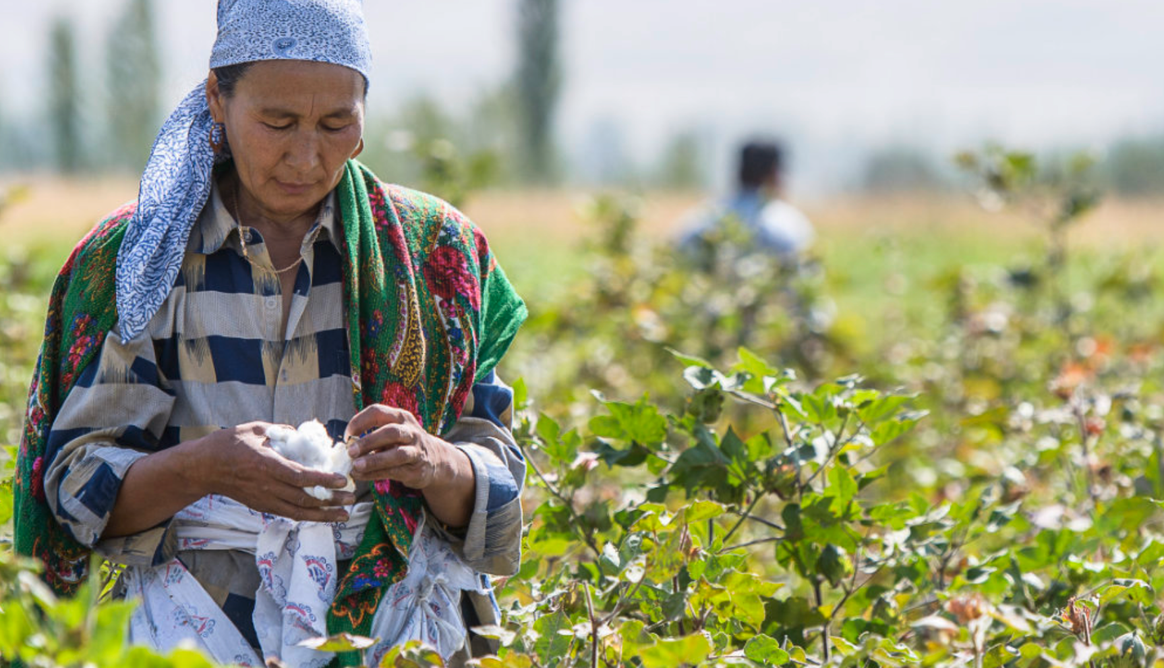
x=176, y=181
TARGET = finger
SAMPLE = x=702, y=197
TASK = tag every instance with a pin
x=389, y=436
x=288, y=472
x=299, y=497
x=292, y=512
x=386, y=459
x=374, y=416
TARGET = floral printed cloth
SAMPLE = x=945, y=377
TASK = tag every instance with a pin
x=298, y=568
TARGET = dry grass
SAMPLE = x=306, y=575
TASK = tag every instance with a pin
x=62, y=210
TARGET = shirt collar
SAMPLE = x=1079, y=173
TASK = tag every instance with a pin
x=216, y=227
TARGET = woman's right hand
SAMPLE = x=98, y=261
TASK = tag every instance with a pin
x=239, y=464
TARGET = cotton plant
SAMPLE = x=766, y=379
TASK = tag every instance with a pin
x=311, y=446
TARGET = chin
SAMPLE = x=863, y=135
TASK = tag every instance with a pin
x=292, y=203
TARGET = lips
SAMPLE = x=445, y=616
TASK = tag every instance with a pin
x=295, y=188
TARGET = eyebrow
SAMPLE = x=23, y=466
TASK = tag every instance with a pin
x=275, y=112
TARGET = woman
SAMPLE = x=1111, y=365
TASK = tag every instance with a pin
x=263, y=277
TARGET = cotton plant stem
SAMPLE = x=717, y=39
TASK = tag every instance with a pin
x=569, y=506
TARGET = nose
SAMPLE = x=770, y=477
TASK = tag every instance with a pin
x=303, y=153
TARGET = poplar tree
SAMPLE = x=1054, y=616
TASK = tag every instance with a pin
x=134, y=74
x=64, y=96
x=538, y=85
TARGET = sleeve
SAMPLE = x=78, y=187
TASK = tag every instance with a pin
x=115, y=415
x=492, y=541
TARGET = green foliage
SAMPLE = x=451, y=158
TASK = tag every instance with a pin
x=1135, y=166
x=682, y=164
x=984, y=491
x=420, y=144
x=40, y=629
x=901, y=170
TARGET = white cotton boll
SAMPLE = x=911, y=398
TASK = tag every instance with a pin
x=320, y=492
x=312, y=447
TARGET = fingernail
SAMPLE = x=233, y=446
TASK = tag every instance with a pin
x=353, y=450
x=359, y=464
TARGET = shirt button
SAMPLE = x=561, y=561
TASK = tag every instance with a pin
x=272, y=302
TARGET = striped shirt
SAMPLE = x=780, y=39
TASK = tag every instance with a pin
x=217, y=354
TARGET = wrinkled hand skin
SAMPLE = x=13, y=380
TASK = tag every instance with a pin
x=387, y=443
x=395, y=447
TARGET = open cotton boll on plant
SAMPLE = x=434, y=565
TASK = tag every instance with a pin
x=311, y=446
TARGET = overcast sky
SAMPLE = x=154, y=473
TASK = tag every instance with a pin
x=833, y=76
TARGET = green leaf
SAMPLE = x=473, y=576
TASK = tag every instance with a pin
x=552, y=645
x=692, y=650
x=702, y=510
x=890, y=430
x=561, y=448
x=1136, y=591
x=834, y=564
x=343, y=642
x=765, y=650
x=841, y=484
x=880, y=409
x=639, y=423
x=520, y=394
x=689, y=360
x=817, y=409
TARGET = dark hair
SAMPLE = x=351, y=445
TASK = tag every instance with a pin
x=229, y=75
x=759, y=160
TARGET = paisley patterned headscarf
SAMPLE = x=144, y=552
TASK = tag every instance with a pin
x=177, y=179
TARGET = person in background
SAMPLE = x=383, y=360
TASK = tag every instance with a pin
x=769, y=223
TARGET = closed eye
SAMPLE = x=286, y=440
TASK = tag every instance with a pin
x=279, y=127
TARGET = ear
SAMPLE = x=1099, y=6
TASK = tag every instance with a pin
x=214, y=99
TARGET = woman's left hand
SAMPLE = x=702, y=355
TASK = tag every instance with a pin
x=395, y=447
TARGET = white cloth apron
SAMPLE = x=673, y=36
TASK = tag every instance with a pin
x=298, y=572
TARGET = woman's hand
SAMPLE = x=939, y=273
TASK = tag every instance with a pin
x=242, y=466
x=394, y=446
x=236, y=463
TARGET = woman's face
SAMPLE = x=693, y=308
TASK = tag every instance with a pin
x=291, y=126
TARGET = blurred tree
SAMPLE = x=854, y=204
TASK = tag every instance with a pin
x=1136, y=166
x=134, y=81
x=538, y=85
x=604, y=158
x=64, y=96
x=5, y=147
x=899, y=169
x=682, y=164
x=492, y=126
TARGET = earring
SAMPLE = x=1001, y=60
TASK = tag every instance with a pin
x=218, y=137
x=359, y=149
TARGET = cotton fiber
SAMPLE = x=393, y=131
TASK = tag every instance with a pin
x=312, y=446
